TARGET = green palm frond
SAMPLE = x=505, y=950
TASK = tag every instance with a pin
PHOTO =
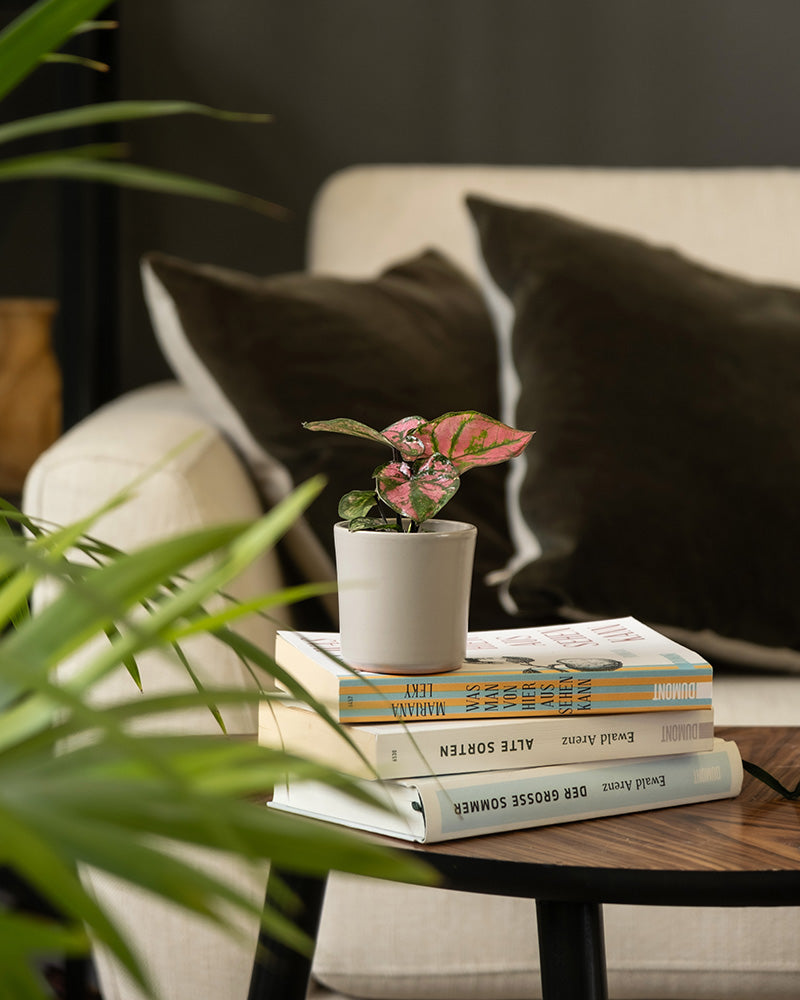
x=34, y=37
x=42, y=28
x=84, y=783
x=114, y=112
x=81, y=783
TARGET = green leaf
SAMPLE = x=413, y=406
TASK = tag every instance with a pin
x=205, y=623
x=70, y=60
x=372, y=524
x=343, y=425
x=115, y=111
x=31, y=854
x=103, y=806
x=78, y=613
x=40, y=29
x=18, y=928
x=80, y=782
x=86, y=26
x=190, y=672
x=113, y=799
x=22, y=935
x=357, y=504
x=66, y=165
x=252, y=653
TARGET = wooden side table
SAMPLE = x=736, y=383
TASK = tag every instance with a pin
x=732, y=852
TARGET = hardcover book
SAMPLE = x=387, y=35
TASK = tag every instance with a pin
x=402, y=750
x=611, y=666
x=431, y=808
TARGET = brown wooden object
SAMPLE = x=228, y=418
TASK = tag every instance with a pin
x=30, y=388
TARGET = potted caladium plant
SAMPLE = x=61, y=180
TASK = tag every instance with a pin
x=404, y=575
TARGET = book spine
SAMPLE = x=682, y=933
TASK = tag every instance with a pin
x=469, y=805
x=540, y=695
x=514, y=743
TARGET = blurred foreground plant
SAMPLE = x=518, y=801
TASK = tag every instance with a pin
x=79, y=785
x=33, y=38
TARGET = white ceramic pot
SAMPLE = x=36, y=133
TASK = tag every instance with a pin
x=404, y=598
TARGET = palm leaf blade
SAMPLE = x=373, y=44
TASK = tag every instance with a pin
x=64, y=166
x=114, y=112
x=39, y=30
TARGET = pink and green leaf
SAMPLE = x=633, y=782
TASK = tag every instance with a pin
x=404, y=436
x=433, y=454
x=418, y=493
x=469, y=438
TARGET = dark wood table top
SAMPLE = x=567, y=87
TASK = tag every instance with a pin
x=742, y=851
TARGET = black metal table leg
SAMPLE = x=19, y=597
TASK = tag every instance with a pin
x=572, y=951
x=280, y=972
x=76, y=978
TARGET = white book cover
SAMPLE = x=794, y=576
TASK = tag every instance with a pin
x=448, y=807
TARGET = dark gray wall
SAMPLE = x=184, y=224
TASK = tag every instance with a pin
x=605, y=82
x=28, y=233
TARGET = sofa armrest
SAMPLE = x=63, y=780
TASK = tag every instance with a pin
x=201, y=482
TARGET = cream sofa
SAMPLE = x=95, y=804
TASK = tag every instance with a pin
x=387, y=941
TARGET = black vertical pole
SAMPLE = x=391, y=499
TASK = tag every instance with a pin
x=571, y=951
x=280, y=971
x=76, y=979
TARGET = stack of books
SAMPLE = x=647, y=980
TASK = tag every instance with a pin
x=538, y=726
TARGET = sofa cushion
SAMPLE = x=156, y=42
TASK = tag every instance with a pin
x=664, y=478
x=266, y=353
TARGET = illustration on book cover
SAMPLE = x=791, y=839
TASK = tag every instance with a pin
x=530, y=666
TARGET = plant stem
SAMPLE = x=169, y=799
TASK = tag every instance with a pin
x=384, y=509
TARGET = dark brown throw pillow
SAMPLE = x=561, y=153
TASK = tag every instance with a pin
x=283, y=349
x=664, y=477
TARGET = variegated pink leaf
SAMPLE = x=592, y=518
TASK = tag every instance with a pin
x=344, y=425
x=404, y=436
x=418, y=493
x=469, y=438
